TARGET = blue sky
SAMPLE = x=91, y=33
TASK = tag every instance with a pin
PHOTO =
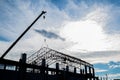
x=90, y=29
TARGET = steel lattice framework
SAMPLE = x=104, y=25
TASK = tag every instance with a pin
x=51, y=56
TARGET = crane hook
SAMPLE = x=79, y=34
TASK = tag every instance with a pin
x=43, y=17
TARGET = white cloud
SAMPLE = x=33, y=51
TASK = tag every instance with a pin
x=98, y=14
x=89, y=32
x=114, y=76
x=88, y=35
x=96, y=57
x=114, y=65
x=3, y=46
x=100, y=70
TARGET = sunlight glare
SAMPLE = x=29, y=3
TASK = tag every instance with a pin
x=87, y=35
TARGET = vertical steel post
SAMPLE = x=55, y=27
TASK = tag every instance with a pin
x=75, y=70
x=66, y=75
x=57, y=71
x=81, y=71
x=90, y=73
x=86, y=75
x=85, y=69
x=42, y=70
x=22, y=67
x=93, y=73
x=57, y=68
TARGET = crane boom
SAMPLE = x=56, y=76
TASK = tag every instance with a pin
x=14, y=43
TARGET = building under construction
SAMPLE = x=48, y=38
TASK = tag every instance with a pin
x=45, y=64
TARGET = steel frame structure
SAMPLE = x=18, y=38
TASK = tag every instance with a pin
x=52, y=56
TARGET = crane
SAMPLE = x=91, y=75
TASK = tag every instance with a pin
x=14, y=43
